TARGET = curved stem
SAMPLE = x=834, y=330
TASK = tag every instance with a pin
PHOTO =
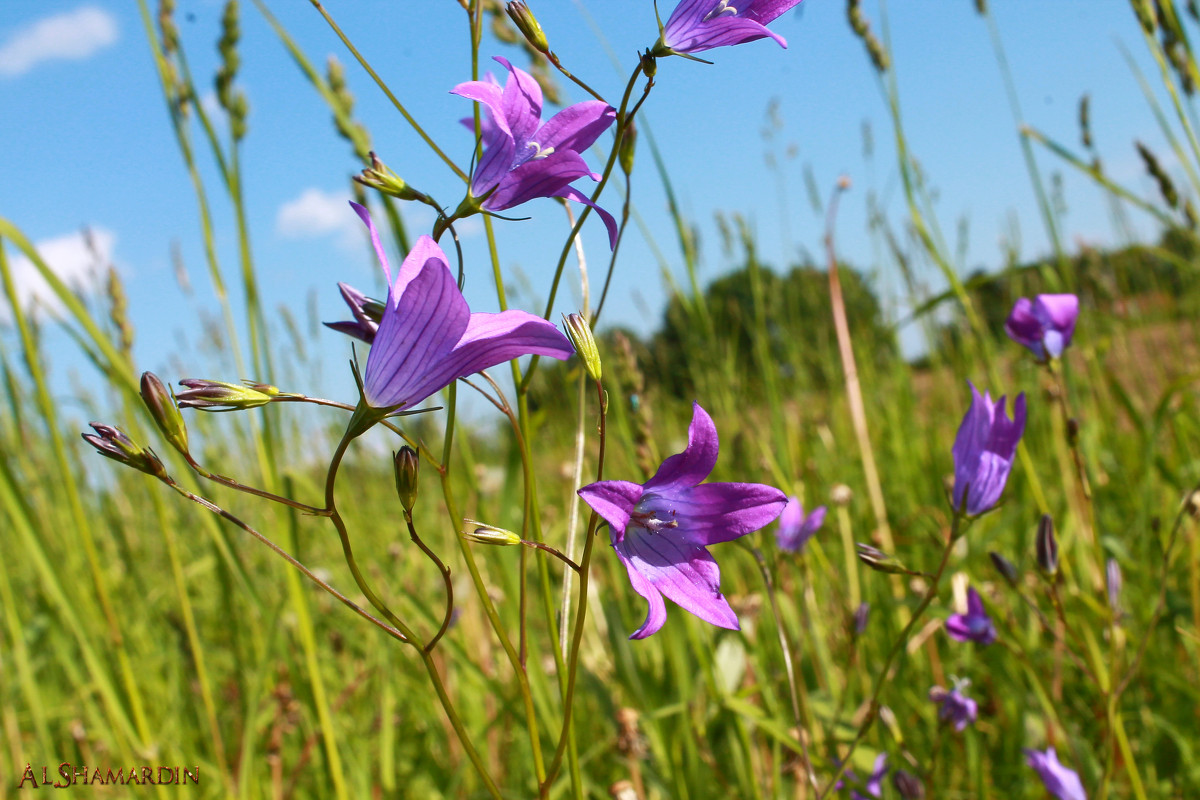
x=442, y=568
x=241, y=487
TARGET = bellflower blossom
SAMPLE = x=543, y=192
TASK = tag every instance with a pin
x=523, y=157
x=955, y=707
x=1045, y=324
x=660, y=529
x=795, y=529
x=1061, y=782
x=874, y=784
x=698, y=25
x=428, y=337
x=973, y=626
x=983, y=451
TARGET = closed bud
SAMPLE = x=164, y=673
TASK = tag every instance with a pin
x=908, y=785
x=379, y=177
x=580, y=333
x=528, y=25
x=878, y=560
x=1006, y=568
x=649, y=64
x=158, y=400
x=220, y=396
x=482, y=533
x=406, y=462
x=1047, y=546
x=114, y=443
x=628, y=144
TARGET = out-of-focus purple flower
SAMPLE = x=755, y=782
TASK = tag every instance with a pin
x=984, y=449
x=366, y=312
x=973, y=626
x=862, y=615
x=795, y=529
x=1045, y=324
x=1061, y=782
x=956, y=708
x=661, y=529
x=524, y=158
x=428, y=337
x=698, y=25
x=1112, y=571
x=874, y=783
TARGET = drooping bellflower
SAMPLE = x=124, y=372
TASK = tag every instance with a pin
x=955, y=708
x=983, y=451
x=1045, y=324
x=428, y=337
x=523, y=157
x=973, y=626
x=1061, y=782
x=661, y=529
x=698, y=25
x=795, y=529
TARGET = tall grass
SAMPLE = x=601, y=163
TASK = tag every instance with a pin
x=140, y=629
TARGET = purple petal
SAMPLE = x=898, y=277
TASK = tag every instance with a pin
x=720, y=512
x=1061, y=782
x=491, y=339
x=521, y=102
x=656, y=615
x=1058, y=313
x=363, y=327
x=766, y=11
x=541, y=177
x=571, y=193
x=613, y=501
x=969, y=442
x=576, y=127
x=685, y=574
x=419, y=329
x=974, y=603
x=686, y=469
x=365, y=216
x=718, y=32
x=1023, y=326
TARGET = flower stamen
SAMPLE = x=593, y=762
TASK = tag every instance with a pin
x=721, y=8
x=539, y=151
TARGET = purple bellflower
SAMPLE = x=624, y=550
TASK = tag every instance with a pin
x=955, y=707
x=428, y=337
x=874, y=784
x=1045, y=324
x=1061, y=782
x=661, y=529
x=698, y=25
x=983, y=451
x=523, y=157
x=366, y=313
x=973, y=626
x=795, y=529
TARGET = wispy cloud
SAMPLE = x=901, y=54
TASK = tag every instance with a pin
x=74, y=35
x=317, y=213
x=79, y=259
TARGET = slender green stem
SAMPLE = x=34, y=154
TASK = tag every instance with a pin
x=444, y=570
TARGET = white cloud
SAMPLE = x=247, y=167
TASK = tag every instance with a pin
x=71, y=36
x=80, y=264
x=318, y=213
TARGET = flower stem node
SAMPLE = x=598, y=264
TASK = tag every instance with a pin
x=879, y=561
x=114, y=443
x=1047, y=546
x=162, y=407
x=220, y=396
x=528, y=25
x=406, y=462
x=482, y=533
x=579, y=331
x=379, y=177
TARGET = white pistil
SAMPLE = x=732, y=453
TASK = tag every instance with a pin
x=721, y=8
x=542, y=152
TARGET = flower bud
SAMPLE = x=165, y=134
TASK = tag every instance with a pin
x=1047, y=546
x=579, y=331
x=649, y=64
x=482, y=533
x=1006, y=568
x=862, y=615
x=908, y=785
x=220, y=396
x=158, y=400
x=528, y=25
x=379, y=177
x=406, y=463
x=115, y=444
x=628, y=144
x=878, y=560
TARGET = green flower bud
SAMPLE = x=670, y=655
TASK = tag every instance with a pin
x=406, y=462
x=878, y=560
x=382, y=179
x=528, y=25
x=158, y=399
x=482, y=533
x=220, y=396
x=628, y=143
x=580, y=333
x=114, y=443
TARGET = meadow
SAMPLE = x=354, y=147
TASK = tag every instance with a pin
x=437, y=611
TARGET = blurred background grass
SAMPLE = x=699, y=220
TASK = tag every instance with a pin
x=138, y=630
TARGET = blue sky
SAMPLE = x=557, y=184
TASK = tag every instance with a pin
x=87, y=142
